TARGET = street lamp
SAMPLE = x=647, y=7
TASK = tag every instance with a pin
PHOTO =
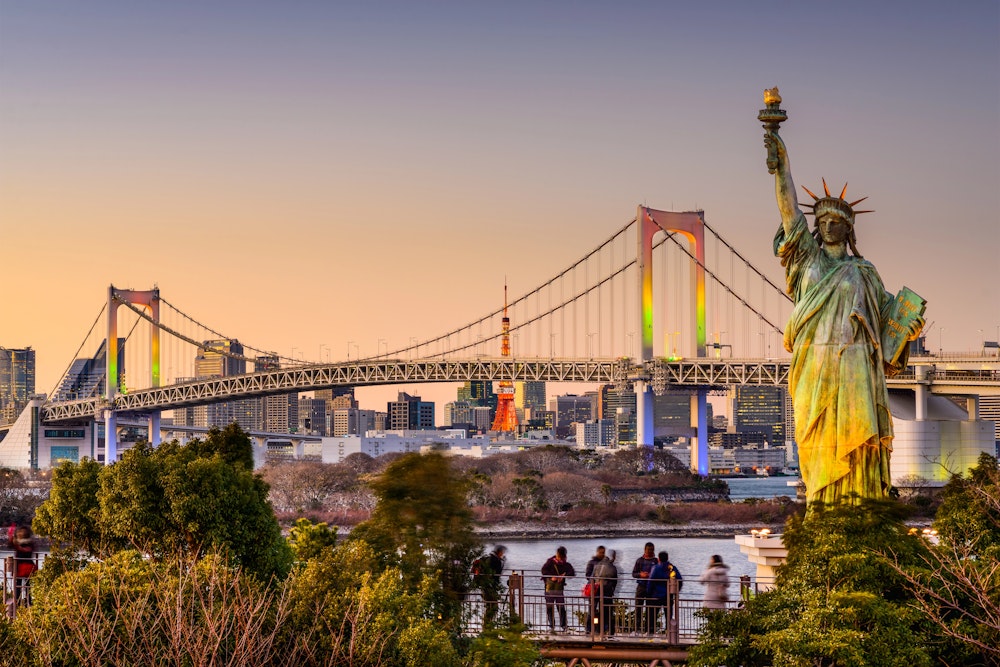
x=552, y=345
x=321, y=346
x=349, y=344
x=378, y=347
x=941, y=341
x=590, y=344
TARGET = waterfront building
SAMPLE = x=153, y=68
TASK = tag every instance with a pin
x=87, y=377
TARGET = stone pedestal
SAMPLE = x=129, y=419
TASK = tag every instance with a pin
x=767, y=551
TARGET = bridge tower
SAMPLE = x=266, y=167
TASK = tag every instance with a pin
x=692, y=225
x=506, y=417
x=150, y=300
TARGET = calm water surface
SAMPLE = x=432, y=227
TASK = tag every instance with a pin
x=689, y=555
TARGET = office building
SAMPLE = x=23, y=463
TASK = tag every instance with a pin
x=410, y=413
x=529, y=395
x=17, y=380
x=352, y=421
x=571, y=409
x=760, y=408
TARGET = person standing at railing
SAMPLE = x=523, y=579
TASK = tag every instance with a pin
x=486, y=572
x=606, y=572
x=554, y=573
x=640, y=572
x=661, y=573
x=716, y=581
x=23, y=544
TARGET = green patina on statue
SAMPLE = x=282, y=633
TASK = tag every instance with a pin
x=838, y=335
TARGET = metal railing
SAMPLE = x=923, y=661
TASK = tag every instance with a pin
x=597, y=616
x=16, y=590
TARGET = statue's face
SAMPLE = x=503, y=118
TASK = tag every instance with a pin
x=833, y=229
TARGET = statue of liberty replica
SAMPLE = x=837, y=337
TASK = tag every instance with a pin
x=846, y=333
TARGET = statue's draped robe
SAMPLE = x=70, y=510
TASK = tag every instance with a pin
x=837, y=381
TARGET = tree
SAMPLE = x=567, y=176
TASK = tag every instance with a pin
x=422, y=524
x=957, y=581
x=169, y=500
x=837, y=602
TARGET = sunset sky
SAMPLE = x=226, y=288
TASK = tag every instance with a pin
x=285, y=170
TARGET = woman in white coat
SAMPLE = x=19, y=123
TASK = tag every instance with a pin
x=716, y=581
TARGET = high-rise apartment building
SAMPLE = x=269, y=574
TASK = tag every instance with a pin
x=410, y=413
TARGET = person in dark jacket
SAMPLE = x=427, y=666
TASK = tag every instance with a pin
x=489, y=583
x=661, y=573
x=640, y=572
x=554, y=573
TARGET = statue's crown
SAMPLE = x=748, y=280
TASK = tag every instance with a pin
x=831, y=204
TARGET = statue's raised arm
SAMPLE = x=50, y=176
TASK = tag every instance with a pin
x=777, y=158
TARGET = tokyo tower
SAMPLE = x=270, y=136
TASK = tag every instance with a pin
x=506, y=418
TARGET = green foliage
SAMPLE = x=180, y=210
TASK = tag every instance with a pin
x=169, y=500
x=309, y=539
x=838, y=601
x=422, y=524
x=71, y=514
x=355, y=616
x=969, y=515
x=504, y=647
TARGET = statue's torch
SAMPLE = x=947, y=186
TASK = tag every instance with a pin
x=772, y=117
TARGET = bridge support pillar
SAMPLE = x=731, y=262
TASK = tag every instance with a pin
x=643, y=414
x=110, y=437
x=920, y=394
x=972, y=405
x=154, y=428
x=699, y=447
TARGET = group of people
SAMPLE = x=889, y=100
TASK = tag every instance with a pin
x=652, y=572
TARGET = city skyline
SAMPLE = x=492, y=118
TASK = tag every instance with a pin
x=267, y=165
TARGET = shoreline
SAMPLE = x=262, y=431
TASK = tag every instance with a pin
x=631, y=528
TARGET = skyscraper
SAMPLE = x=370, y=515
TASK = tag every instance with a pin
x=17, y=380
x=222, y=358
x=760, y=409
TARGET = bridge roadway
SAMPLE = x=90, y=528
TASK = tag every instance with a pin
x=951, y=375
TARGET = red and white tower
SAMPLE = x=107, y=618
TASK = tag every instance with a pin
x=506, y=418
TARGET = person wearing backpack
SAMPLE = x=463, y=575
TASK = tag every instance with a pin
x=554, y=573
x=602, y=576
x=661, y=573
x=486, y=575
